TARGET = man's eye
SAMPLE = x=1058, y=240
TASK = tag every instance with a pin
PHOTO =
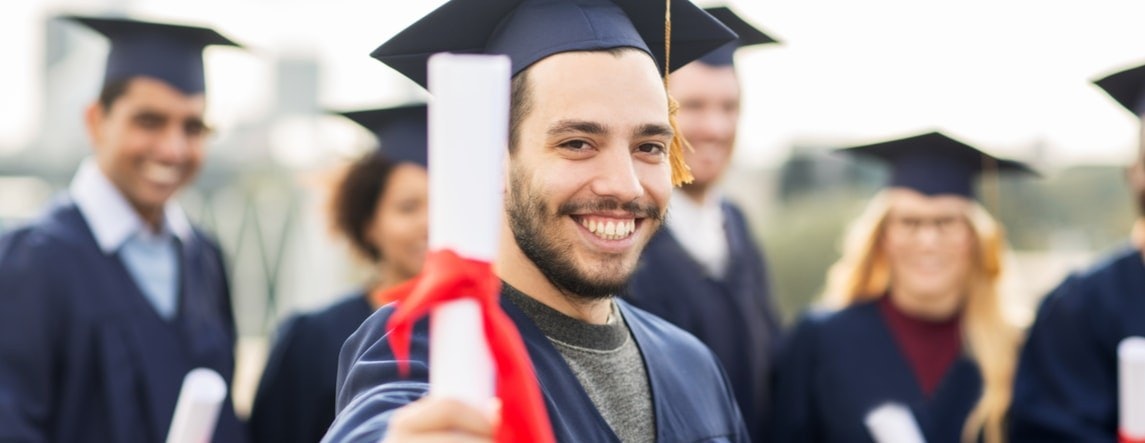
x=195, y=129
x=652, y=148
x=575, y=144
x=149, y=121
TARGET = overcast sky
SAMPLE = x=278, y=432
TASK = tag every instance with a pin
x=1003, y=74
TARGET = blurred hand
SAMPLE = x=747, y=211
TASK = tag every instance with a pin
x=434, y=419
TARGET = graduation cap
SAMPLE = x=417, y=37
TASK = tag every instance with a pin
x=748, y=36
x=530, y=30
x=171, y=53
x=401, y=131
x=935, y=164
x=1127, y=87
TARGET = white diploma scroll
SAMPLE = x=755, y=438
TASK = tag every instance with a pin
x=197, y=411
x=468, y=141
x=893, y=423
x=1131, y=388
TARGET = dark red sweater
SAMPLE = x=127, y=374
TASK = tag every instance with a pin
x=929, y=347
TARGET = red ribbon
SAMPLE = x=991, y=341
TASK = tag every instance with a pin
x=447, y=277
x=1122, y=438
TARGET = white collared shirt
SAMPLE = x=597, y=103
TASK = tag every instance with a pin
x=152, y=258
x=699, y=227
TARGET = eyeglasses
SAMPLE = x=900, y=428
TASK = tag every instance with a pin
x=947, y=227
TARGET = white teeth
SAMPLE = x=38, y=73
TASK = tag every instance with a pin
x=610, y=230
x=161, y=173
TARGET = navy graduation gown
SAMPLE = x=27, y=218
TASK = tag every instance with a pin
x=734, y=316
x=835, y=368
x=692, y=400
x=1066, y=385
x=295, y=399
x=83, y=354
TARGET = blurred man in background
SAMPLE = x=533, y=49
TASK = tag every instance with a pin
x=1066, y=388
x=704, y=273
x=112, y=297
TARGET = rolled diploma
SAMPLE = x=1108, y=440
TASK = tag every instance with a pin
x=468, y=140
x=893, y=423
x=1131, y=388
x=200, y=400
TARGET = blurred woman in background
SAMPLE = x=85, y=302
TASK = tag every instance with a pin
x=380, y=205
x=915, y=315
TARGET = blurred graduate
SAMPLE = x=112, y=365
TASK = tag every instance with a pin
x=705, y=272
x=592, y=158
x=379, y=206
x=112, y=296
x=915, y=312
x=1066, y=388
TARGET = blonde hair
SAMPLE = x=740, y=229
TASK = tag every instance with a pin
x=992, y=339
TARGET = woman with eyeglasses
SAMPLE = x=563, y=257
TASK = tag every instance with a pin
x=914, y=315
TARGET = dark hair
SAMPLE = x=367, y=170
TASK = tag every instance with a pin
x=355, y=200
x=112, y=91
x=519, y=105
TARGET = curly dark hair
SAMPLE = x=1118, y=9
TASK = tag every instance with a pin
x=355, y=200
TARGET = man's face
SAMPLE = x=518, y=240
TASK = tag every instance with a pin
x=589, y=176
x=709, y=99
x=150, y=141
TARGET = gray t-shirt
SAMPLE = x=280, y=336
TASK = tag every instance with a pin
x=606, y=362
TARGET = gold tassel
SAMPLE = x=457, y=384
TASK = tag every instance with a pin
x=681, y=174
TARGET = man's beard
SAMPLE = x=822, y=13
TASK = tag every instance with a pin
x=536, y=231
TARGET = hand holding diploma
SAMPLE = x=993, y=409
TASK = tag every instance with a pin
x=1131, y=390
x=197, y=411
x=476, y=352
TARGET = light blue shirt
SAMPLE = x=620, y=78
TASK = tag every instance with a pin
x=152, y=258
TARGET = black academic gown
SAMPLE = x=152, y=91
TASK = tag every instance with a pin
x=295, y=399
x=734, y=316
x=84, y=357
x=1066, y=386
x=692, y=400
x=835, y=368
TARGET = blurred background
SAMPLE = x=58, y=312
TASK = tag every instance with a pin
x=1010, y=77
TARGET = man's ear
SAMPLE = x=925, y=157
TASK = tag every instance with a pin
x=94, y=116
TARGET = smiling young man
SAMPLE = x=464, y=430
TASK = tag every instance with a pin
x=589, y=180
x=112, y=296
x=705, y=272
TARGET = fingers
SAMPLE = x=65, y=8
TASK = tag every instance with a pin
x=437, y=437
x=433, y=419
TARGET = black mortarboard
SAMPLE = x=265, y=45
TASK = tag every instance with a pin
x=401, y=131
x=935, y=164
x=1127, y=87
x=171, y=53
x=748, y=36
x=530, y=30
